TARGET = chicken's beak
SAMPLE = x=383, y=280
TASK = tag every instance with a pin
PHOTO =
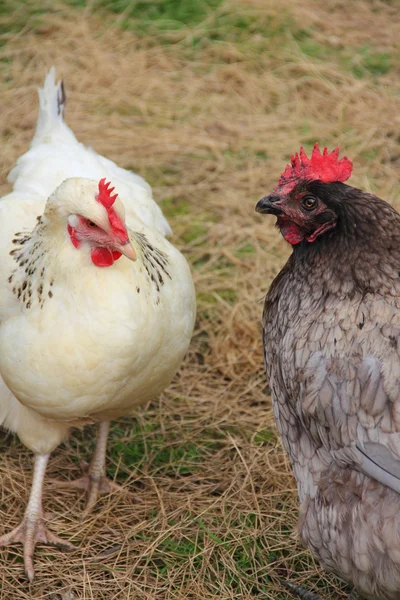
x=269, y=205
x=127, y=250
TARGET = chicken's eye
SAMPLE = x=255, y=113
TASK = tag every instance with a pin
x=309, y=202
x=90, y=224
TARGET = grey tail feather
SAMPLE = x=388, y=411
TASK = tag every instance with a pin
x=300, y=592
x=61, y=98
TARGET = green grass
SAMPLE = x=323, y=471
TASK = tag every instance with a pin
x=204, y=24
x=369, y=62
x=239, y=543
x=315, y=50
x=194, y=232
x=264, y=437
x=133, y=447
x=229, y=295
x=149, y=446
x=175, y=207
x=208, y=300
x=245, y=249
x=18, y=15
x=362, y=61
x=167, y=14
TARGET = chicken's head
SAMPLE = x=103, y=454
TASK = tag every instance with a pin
x=93, y=219
x=298, y=201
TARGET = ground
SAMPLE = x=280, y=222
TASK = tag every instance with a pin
x=206, y=99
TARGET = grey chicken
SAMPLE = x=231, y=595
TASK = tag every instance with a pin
x=331, y=335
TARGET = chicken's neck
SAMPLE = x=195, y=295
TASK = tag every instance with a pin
x=362, y=254
x=42, y=258
x=46, y=258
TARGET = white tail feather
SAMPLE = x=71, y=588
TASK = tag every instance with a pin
x=50, y=130
x=51, y=107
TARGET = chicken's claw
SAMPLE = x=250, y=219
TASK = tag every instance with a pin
x=94, y=485
x=301, y=592
x=306, y=595
x=31, y=531
x=94, y=482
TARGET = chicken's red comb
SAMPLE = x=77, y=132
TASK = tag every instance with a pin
x=104, y=196
x=107, y=200
x=322, y=167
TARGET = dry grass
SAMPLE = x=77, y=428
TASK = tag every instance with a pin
x=209, y=115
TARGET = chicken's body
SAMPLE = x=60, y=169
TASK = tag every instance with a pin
x=81, y=343
x=90, y=343
x=331, y=331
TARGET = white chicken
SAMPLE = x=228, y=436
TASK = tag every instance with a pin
x=97, y=308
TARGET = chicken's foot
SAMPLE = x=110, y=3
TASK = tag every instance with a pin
x=303, y=594
x=95, y=482
x=300, y=592
x=32, y=529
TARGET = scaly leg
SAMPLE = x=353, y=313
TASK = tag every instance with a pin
x=305, y=595
x=300, y=592
x=32, y=528
x=94, y=482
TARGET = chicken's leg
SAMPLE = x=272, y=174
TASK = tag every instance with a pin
x=300, y=592
x=94, y=482
x=32, y=528
x=303, y=594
